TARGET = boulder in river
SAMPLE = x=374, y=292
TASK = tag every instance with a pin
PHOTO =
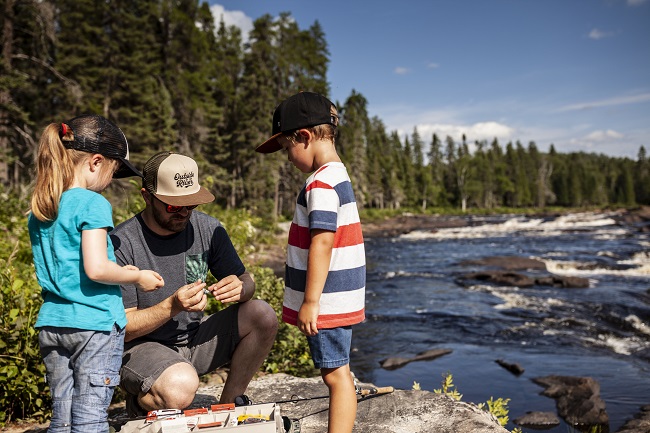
x=538, y=420
x=394, y=363
x=577, y=399
x=511, y=263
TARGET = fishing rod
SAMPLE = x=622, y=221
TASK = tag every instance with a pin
x=363, y=392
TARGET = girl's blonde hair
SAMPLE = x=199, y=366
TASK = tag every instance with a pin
x=55, y=169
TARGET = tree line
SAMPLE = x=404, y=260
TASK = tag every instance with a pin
x=173, y=78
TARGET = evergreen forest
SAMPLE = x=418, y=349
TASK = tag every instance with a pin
x=174, y=78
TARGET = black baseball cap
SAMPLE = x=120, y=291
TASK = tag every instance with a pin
x=302, y=110
x=96, y=134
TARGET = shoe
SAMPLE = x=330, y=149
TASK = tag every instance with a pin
x=290, y=425
x=243, y=400
x=133, y=409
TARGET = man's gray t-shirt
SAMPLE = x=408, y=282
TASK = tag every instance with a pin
x=181, y=259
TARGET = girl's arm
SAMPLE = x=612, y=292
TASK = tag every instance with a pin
x=101, y=270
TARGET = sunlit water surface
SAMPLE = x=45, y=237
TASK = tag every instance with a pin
x=415, y=302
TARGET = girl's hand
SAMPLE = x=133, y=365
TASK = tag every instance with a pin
x=131, y=268
x=149, y=280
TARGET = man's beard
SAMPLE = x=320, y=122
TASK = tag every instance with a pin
x=174, y=222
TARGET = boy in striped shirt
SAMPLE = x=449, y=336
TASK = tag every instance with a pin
x=326, y=267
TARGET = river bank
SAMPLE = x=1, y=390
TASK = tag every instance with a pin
x=273, y=255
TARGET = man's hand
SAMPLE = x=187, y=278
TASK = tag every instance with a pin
x=228, y=289
x=307, y=318
x=190, y=298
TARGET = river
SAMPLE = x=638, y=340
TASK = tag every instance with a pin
x=414, y=302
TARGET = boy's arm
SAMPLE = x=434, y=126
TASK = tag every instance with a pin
x=318, y=264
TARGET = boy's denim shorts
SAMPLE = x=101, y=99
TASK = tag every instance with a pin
x=330, y=348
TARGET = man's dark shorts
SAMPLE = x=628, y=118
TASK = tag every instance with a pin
x=212, y=347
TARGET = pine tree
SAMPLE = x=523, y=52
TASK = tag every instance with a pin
x=642, y=177
x=381, y=165
x=396, y=195
x=26, y=66
x=227, y=72
x=437, y=171
x=187, y=66
x=352, y=143
x=140, y=101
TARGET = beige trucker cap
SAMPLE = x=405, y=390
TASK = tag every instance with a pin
x=174, y=179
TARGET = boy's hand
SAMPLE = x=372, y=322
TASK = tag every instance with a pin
x=149, y=280
x=308, y=317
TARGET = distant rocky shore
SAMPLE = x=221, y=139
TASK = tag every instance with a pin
x=406, y=223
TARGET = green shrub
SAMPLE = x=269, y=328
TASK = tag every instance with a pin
x=498, y=407
x=448, y=388
x=23, y=392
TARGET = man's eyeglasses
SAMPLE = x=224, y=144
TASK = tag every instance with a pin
x=175, y=209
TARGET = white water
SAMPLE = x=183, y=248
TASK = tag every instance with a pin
x=415, y=302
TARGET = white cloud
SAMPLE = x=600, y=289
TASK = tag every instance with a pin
x=433, y=66
x=635, y=2
x=474, y=132
x=577, y=136
x=401, y=70
x=232, y=18
x=604, y=135
x=599, y=34
x=602, y=141
x=619, y=100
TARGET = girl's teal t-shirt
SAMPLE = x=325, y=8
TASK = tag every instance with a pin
x=70, y=298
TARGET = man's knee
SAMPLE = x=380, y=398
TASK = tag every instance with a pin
x=176, y=386
x=261, y=315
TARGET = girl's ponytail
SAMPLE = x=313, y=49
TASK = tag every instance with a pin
x=54, y=170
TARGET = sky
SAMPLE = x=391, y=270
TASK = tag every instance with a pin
x=572, y=73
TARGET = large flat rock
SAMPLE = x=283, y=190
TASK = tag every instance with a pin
x=396, y=412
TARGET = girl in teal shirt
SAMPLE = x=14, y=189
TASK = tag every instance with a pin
x=82, y=320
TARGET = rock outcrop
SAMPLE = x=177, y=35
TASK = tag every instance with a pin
x=509, y=278
x=538, y=420
x=577, y=399
x=640, y=423
x=394, y=363
x=399, y=411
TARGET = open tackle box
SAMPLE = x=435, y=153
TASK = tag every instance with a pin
x=255, y=418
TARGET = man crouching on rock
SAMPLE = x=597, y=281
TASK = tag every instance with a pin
x=169, y=341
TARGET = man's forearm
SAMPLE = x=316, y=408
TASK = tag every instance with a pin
x=248, y=287
x=142, y=322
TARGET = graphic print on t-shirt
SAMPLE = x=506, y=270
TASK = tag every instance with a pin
x=196, y=267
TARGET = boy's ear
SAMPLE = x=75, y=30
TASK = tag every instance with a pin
x=305, y=135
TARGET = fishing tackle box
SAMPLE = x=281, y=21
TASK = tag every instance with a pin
x=255, y=418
